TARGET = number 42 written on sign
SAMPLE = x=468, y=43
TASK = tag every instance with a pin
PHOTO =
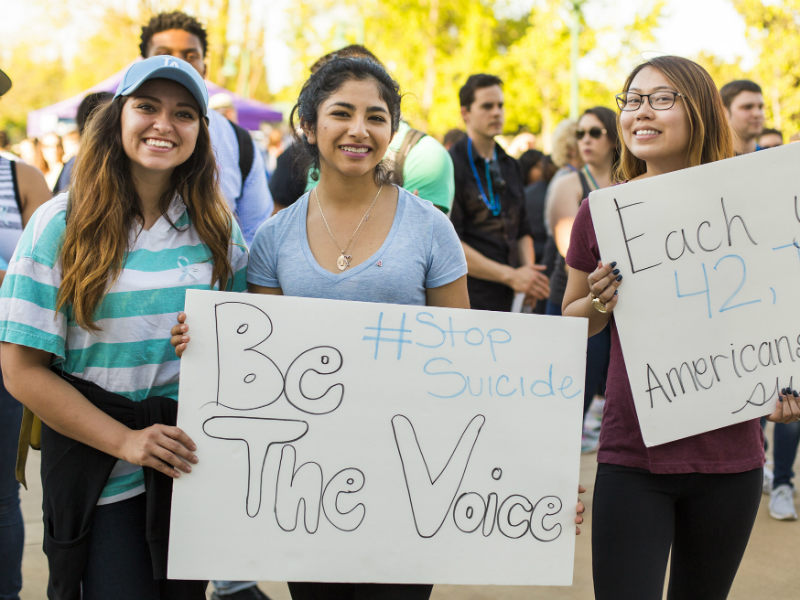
x=735, y=267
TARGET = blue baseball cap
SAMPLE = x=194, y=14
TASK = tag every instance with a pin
x=165, y=67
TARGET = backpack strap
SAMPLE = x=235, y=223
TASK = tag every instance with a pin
x=17, y=197
x=409, y=141
x=246, y=152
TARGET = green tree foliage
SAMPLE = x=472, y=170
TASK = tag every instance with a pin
x=772, y=32
x=432, y=46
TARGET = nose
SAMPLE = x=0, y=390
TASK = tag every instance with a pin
x=645, y=110
x=162, y=121
x=358, y=127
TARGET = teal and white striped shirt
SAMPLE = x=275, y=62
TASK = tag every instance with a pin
x=130, y=354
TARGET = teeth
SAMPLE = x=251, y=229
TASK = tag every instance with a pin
x=354, y=149
x=646, y=132
x=159, y=143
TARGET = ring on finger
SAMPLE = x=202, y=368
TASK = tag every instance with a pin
x=598, y=304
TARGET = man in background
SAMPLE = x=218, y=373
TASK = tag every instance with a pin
x=745, y=105
x=489, y=206
x=242, y=177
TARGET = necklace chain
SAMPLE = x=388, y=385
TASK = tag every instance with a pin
x=344, y=259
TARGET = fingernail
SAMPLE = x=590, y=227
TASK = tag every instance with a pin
x=794, y=393
x=619, y=278
x=177, y=473
x=194, y=459
x=616, y=292
x=613, y=264
x=783, y=390
x=615, y=271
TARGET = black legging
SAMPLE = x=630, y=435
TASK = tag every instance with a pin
x=358, y=591
x=637, y=516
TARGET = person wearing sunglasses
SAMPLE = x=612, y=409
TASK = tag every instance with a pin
x=599, y=150
x=691, y=502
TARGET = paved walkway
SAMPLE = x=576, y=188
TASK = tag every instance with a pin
x=769, y=570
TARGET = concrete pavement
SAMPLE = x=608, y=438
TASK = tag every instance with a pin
x=769, y=569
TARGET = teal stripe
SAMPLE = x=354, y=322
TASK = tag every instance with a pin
x=26, y=288
x=144, y=302
x=48, y=245
x=122, y=484
x=183, y=221
x=239, y=281
x=33, y=337
x=172, y=258
x=122, y=355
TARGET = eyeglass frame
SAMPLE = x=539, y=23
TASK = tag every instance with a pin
x=603, y=131
x=621, y=98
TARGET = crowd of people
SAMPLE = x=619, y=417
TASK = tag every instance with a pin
x=160, y=192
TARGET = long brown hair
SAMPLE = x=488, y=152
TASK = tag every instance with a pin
x=709, y=134
x=103, y=206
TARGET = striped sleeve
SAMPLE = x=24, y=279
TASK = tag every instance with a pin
x=28, y=314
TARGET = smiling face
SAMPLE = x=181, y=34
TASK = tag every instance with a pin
x=485, y=117
x=594, y=151
x=353, y=129
x=159, y=125
x=658, y=137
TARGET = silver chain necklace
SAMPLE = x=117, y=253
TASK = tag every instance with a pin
x=344, y=259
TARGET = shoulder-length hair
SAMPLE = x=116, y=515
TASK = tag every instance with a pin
x=609, y=120
x=709, y=134
x=325, y=81
x=104, y=206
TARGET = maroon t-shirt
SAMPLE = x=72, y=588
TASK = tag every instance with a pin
x=732, y=449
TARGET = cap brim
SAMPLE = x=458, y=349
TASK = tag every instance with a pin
x=5, y=83
x=173, y=74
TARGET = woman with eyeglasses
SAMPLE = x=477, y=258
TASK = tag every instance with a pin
x=598, y=148
x=692, y=501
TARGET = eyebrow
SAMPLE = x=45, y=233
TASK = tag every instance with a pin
x=184, y=50
x=154, y=99
x=658, y=88
x=352, y=107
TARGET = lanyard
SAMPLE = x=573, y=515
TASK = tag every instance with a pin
x=492, y=202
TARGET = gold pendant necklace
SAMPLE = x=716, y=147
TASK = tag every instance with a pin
x=344, y=259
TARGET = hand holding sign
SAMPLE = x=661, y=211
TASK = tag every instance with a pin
x=712, y=267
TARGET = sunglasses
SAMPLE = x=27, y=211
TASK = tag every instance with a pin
x=594, y=132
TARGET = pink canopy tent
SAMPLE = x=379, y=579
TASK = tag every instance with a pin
x=251, y=113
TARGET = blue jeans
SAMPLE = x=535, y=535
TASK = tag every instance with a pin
x=784, y=451
x=12, y=529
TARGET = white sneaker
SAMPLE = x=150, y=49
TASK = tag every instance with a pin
x=781, y=503
x=766, y=486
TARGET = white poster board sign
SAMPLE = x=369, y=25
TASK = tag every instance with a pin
x=361, y=442
x=708, y=307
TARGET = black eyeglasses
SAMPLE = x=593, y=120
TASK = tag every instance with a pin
x=594, y=132
x=663, y=100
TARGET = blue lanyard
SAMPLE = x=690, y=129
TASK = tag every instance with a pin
x=492, y=202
